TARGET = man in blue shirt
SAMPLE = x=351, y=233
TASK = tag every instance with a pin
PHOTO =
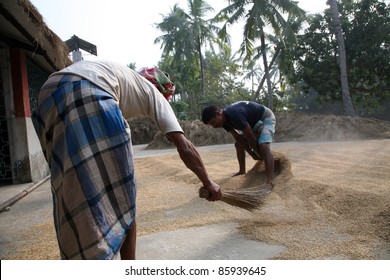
x=252, y=126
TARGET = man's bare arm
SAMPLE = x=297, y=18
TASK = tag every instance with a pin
x=191, y=158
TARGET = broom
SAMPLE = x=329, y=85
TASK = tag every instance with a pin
x=247, y=198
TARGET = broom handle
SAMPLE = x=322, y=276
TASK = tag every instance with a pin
x=204, y=193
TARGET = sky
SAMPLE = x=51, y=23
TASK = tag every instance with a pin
x=123, y=30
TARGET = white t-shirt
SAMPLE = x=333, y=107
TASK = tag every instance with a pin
x=135, y=94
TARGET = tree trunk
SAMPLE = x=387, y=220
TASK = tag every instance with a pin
x=266, y=70
x=347, y=100
x=256, y=95
x=201, y=68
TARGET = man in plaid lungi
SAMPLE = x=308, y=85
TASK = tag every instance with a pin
x=82, y=128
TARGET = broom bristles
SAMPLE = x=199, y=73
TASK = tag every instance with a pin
x=248, y=198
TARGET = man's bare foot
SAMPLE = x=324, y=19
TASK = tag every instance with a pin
x=267, y=188
x=238, y=173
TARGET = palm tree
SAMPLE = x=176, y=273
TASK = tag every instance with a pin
x=187, y=33
x=259, y=14
x=284, y=40
x=252, y=73
x=347, y=101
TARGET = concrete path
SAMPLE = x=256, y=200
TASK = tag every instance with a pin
x=212, y=242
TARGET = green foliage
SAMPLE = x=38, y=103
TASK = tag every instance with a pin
x=181, y=109
x=260, y=15
x=367, y=41
x=187, y=33
x=304, y=66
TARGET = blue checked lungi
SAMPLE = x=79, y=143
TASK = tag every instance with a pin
x=87, y=144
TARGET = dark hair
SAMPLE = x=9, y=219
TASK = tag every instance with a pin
x=208, y=113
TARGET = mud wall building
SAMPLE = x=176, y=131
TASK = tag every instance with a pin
x=29, y=53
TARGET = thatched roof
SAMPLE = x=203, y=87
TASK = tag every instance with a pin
x=22, y=26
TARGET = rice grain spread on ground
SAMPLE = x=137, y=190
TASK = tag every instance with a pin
x=331, y=198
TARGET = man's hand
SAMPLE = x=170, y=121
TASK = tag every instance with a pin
x=214, y=190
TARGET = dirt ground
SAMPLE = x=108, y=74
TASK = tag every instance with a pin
x=331, y=198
